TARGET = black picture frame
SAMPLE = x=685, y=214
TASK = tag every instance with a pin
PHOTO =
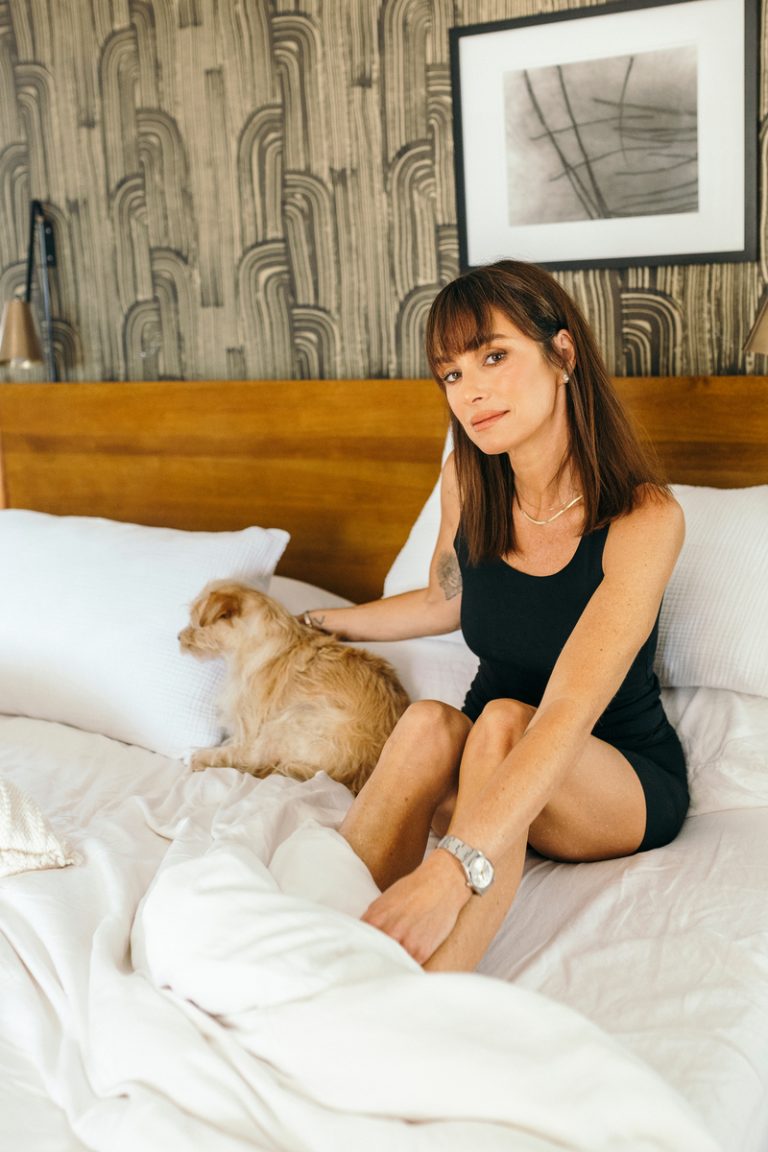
x=614, y=136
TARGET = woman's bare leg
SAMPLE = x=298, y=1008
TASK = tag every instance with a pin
x=490, y=741
x=388, y=824
x=597, y=813
x=440, y=907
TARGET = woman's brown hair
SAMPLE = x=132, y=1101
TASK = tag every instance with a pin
x=603, y=446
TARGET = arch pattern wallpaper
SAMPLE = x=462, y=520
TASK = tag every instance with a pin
x=264, y=189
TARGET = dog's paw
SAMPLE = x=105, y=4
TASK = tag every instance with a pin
x=200, y=760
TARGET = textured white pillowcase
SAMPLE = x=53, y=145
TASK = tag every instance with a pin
x=411, y=565
x=90, y=611
x=714, y=620
x=410, y=568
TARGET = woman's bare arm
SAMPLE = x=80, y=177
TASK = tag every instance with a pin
x=428, y=611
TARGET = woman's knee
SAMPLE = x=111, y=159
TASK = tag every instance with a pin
x=426, y=746
x=503, y=723
x=497, y=730
x=434, y=721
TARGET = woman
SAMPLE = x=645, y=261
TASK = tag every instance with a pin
x=555, y=546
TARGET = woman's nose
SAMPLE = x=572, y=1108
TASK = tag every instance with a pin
x=473, y=386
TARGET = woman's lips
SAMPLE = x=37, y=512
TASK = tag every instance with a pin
x=480, y=423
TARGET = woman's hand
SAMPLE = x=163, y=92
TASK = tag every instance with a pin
x=421, y=909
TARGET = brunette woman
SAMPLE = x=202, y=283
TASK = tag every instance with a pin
x=556, y=543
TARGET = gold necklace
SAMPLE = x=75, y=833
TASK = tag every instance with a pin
x=541, y=523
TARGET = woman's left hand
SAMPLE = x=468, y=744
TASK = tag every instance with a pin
x=421, y=909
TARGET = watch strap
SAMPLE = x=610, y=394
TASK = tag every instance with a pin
x=457, y=848
x=466, y=855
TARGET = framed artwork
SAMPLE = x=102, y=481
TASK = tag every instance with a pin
x=610, y=136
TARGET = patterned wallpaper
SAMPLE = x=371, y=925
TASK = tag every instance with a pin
x=264, y=189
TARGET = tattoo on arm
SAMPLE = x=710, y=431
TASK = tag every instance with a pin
x=448, y=574
x=313, y=620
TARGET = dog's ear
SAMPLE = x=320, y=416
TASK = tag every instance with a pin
x=221, y=604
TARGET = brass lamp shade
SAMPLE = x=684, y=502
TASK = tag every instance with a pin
x=19, y=342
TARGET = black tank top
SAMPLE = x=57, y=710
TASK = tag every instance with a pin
x=517, y=625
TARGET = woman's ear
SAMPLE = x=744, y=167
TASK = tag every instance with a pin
x=563, y=344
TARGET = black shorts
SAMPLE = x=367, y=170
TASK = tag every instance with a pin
x=660, y=769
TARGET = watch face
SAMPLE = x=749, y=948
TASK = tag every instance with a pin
x=480, y=872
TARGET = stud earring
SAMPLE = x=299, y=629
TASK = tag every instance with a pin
x=566, y=377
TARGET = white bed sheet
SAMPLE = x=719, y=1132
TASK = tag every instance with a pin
x=667, y=951
x=189, y=984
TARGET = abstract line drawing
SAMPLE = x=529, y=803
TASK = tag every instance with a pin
x=609, y=135
x=600, y=139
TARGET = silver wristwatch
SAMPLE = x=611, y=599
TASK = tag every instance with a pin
x=477, y=867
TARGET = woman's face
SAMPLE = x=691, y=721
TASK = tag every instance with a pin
x=505, y=393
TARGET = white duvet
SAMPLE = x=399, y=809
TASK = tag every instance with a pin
x=200, y=980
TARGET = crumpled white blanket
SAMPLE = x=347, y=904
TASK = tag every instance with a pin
x=201, y=982
x=27, y=840
x=252, y=930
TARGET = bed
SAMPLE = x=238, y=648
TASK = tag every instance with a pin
x=182, y=962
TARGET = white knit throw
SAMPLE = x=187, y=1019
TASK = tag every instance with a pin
x=27, y=840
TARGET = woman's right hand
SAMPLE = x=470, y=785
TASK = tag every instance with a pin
x=400, y=617
x=421, y=909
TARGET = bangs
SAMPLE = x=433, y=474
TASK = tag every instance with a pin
x=460, y=321
x=461, y=317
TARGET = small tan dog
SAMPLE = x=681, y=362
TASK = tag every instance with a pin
x=295, y=701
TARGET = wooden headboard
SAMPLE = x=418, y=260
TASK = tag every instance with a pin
x=345, y=466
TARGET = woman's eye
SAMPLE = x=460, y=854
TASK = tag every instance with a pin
x=495, y=357
x=450, y=377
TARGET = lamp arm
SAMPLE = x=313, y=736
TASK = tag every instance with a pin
x=46, y=287
x=35, y=209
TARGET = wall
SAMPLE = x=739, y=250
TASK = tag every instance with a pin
x=264, y=189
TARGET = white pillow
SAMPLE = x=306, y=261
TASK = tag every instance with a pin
x=90, y=611
x=410, y=568
x=298, y=597
x=714, y=620
x=411, y=565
